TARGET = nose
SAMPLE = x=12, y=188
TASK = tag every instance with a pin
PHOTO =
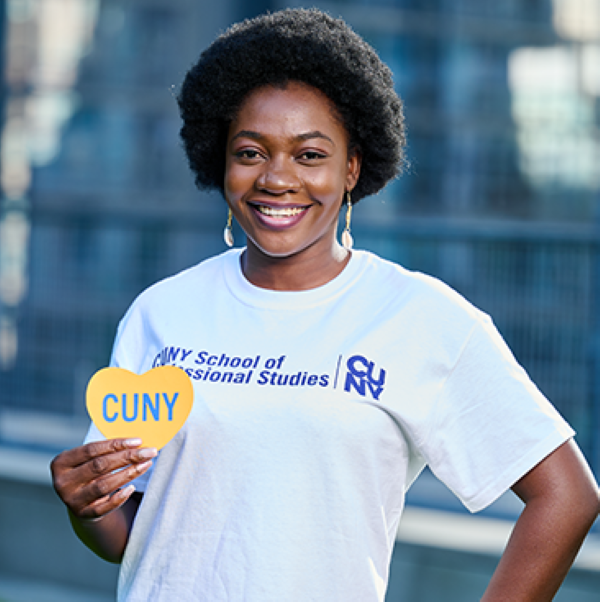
x=278, y=176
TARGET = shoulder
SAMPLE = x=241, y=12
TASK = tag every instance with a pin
x=177, y=295
x=207, y=273
x=429, y=297
x=166, y=306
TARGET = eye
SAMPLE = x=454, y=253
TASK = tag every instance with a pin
x=312, y=155
x=248, y=153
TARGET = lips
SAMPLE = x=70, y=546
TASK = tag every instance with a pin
x=279, y=217
x=280, y=212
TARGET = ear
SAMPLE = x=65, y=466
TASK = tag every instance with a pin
x=354, y=163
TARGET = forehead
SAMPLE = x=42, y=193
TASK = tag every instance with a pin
x=291, y=107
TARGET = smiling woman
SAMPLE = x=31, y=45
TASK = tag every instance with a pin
x=288, y=169
x=333, y=376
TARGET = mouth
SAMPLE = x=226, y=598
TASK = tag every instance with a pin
x=281, y=212
x=279, y=217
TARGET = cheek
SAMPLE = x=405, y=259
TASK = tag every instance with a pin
x=235, y=183
x=327, y=186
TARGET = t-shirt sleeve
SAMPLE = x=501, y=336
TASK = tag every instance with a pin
x=491, y=424
x=119, y=359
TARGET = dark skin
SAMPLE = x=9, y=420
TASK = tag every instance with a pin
x=101, y=503
x=288, y=169
x=561, y=503
x=288, y=150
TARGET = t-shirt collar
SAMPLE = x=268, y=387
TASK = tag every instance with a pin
x=248, y=293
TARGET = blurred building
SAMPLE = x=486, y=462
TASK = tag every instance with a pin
x=500, y=199
x=107, y=204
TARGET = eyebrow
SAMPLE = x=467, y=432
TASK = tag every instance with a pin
x=300, y=137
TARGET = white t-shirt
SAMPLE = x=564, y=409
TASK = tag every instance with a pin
x=313, y=413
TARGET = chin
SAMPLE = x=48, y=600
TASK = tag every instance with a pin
x=279, y=253
x=276, y=250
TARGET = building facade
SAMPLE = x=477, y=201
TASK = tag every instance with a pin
x=500, y=198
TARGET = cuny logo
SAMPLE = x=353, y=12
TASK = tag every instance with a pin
x=361, y=377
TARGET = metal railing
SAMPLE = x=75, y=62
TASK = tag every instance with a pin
x=539, y=283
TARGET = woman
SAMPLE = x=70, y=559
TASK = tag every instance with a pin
x=325, y=379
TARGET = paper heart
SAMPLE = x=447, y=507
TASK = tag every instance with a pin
x=152, y=406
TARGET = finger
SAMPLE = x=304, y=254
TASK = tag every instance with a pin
x=118, y=464
x=106, y=464
x=98, y=492
x=84, y=453
x=101, y=475
x=104, y=506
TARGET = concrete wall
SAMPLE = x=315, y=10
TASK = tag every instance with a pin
x=427, y=574
x=37, y=543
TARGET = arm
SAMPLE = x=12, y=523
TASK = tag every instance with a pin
x=561, y=503
x=101, y=502
x=107, y=536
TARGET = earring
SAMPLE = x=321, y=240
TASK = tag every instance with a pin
x=347, y=240
x=228, y=232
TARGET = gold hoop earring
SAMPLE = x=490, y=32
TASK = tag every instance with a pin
x=347, y=240
x=228, y=232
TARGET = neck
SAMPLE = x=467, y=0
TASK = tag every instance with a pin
x=299, y=272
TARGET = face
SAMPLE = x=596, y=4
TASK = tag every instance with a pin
x=287, y=170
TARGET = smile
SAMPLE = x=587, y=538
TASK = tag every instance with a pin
x=279, y=218
x=280, y=213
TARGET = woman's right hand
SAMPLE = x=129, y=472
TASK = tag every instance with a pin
x=93, y=479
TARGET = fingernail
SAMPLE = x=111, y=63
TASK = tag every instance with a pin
x=148, y=452
x=127, y=491
x=133, y=442
x=141, y=467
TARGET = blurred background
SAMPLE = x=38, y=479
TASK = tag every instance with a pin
x=501, y=200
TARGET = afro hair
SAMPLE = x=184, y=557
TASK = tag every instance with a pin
x=301, y=45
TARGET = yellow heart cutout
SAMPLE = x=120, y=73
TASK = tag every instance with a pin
x=152, y=406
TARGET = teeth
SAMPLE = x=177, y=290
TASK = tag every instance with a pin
x=287, y=212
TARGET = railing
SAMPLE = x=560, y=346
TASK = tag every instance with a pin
x=539, y=283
